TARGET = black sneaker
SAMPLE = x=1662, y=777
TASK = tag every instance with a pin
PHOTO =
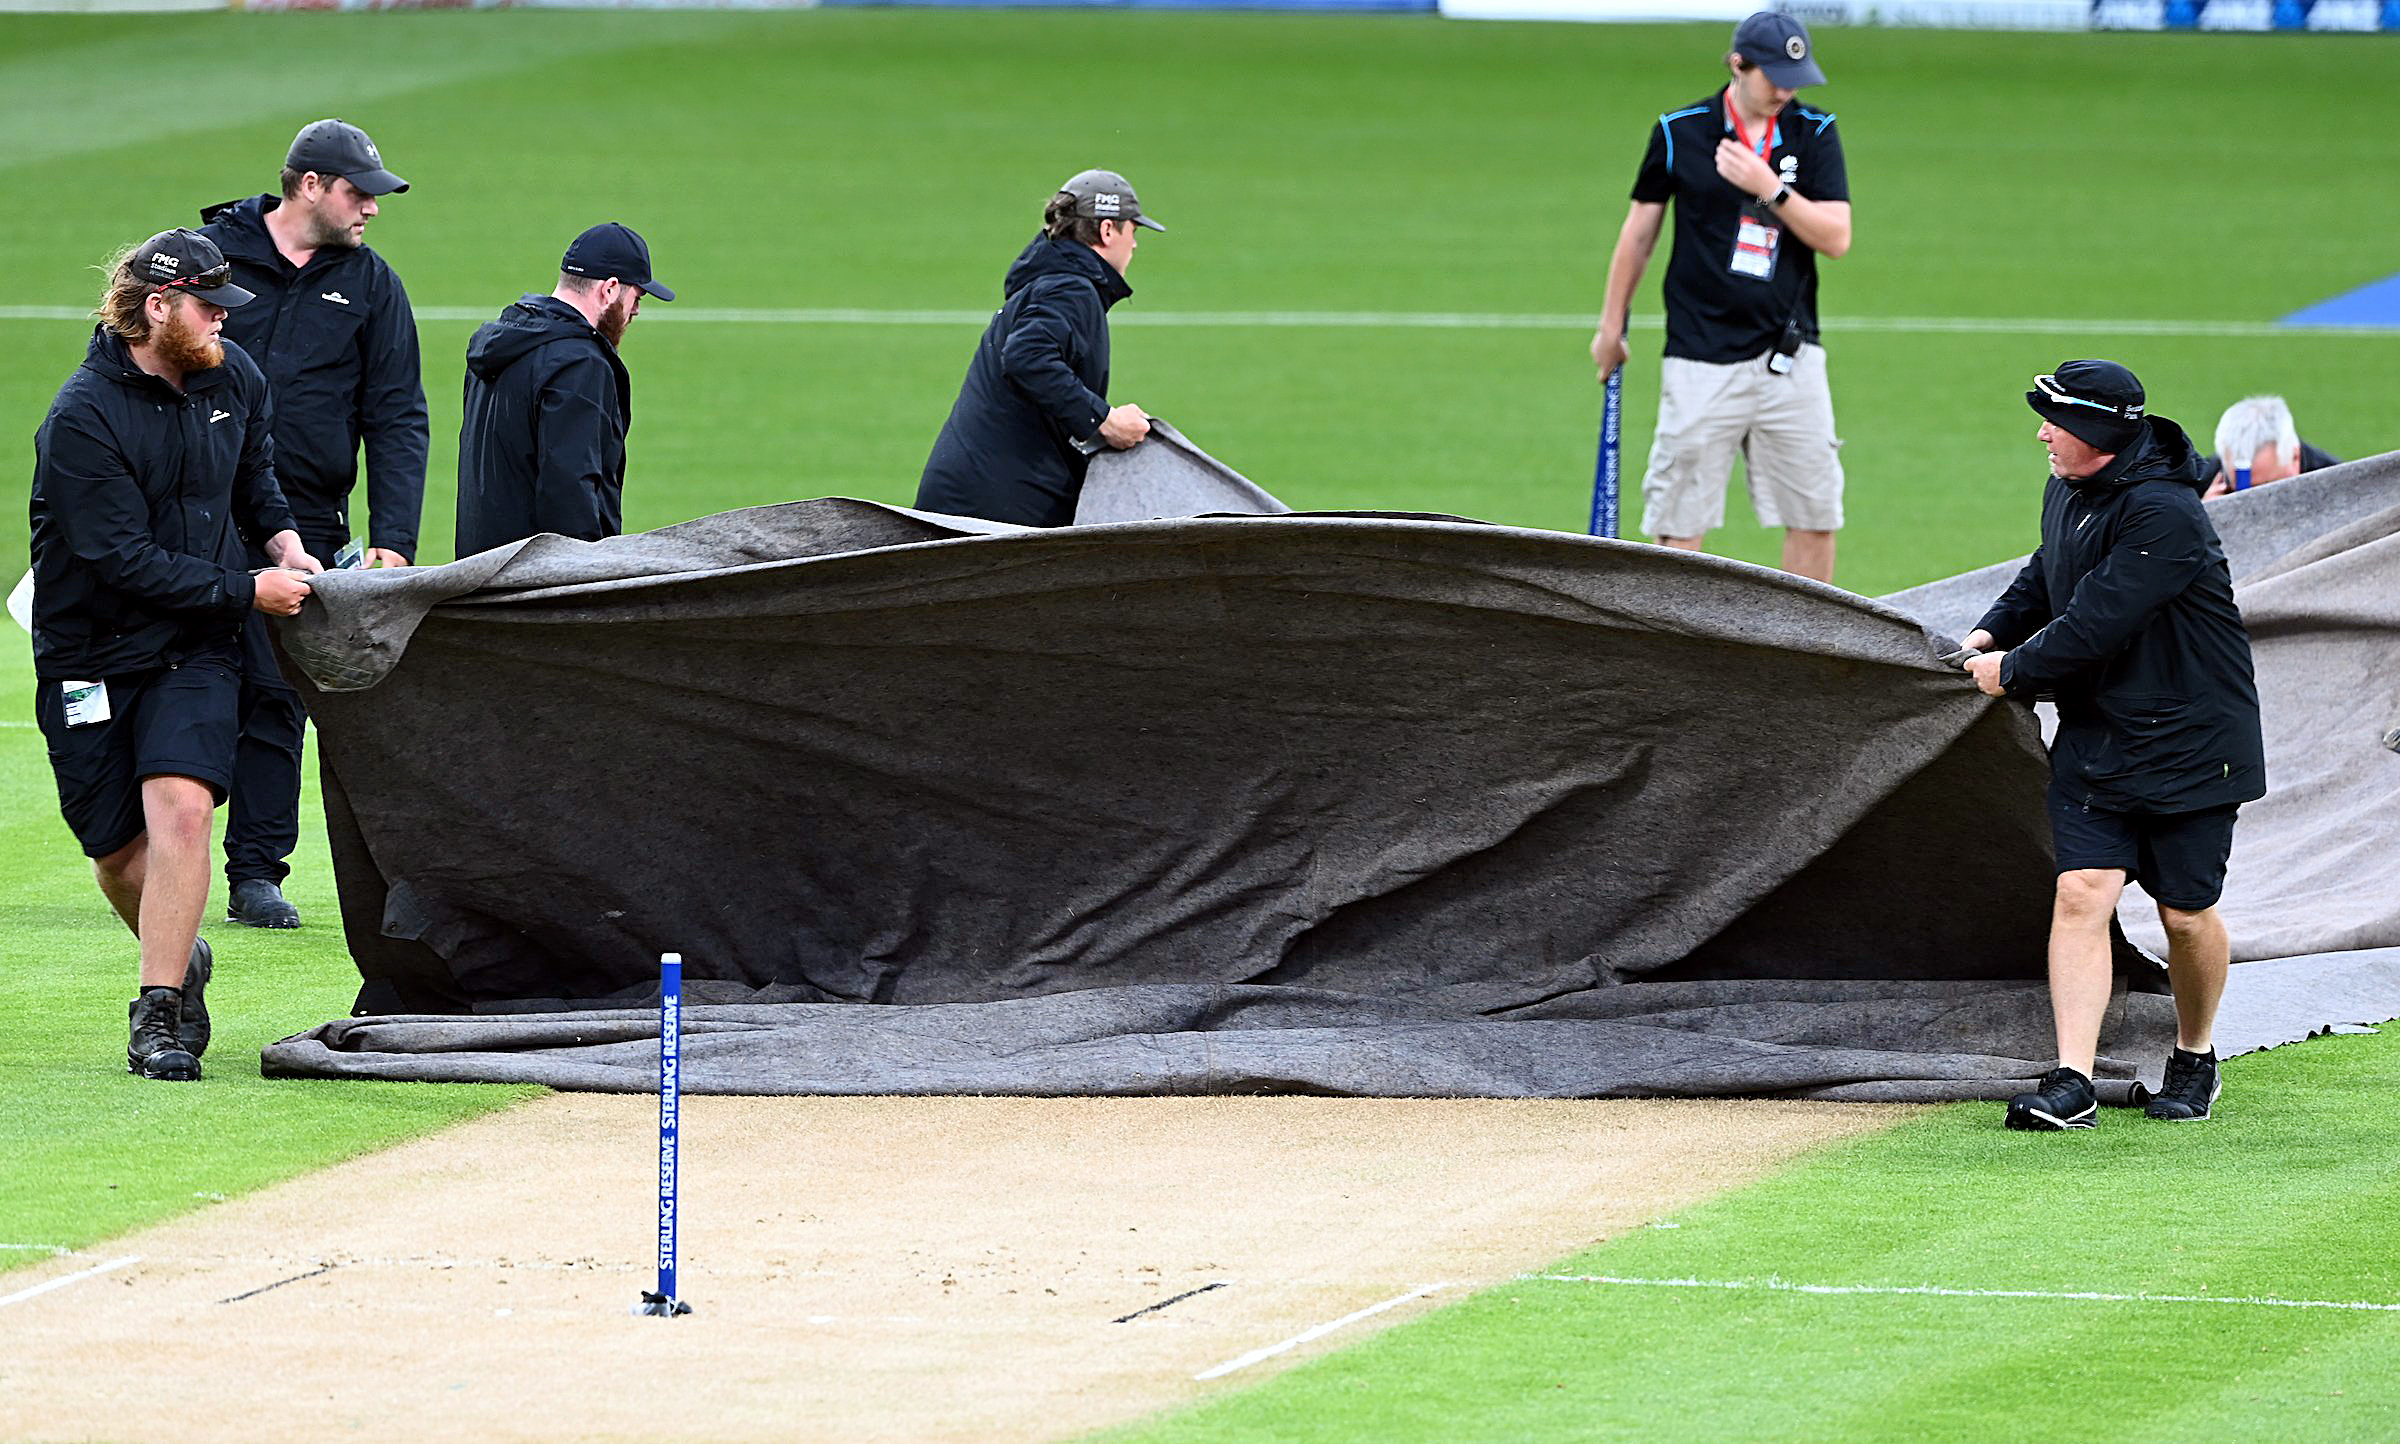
x=154, y=1051
x=192, y=1029
x=2065, y=1100
x=258, y=903
x=2191, y=1088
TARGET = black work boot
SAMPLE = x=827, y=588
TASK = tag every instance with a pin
x=154, y=1051
x=192, y=1030
x=2065, y=1100
x=258, y=903
x=2191, y=1088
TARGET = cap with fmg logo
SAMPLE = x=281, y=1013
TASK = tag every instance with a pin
x=1103, y=195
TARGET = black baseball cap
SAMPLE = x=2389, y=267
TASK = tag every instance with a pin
x=336, y=147
x=1778, y=44
x=187, y=261
x=1103, y=195
x=2097, y=402
x=614, y=250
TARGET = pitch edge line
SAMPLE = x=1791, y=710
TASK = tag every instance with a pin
x=1312, y=1334
x=1931, y=1291
x=94, y=1271
x=1401, y=320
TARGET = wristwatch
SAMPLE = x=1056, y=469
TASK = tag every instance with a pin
x=1775, y=201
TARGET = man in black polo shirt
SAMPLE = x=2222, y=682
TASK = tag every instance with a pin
x=153, y=468
x=1760, y=191
x=333, y=331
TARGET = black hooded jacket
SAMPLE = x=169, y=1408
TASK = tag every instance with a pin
x=338, y=343
x=1037, y=386
x=142, y=499
x=542, y=444
x=2126, y=617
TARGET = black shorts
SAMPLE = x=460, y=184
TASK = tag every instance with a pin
x=179, y=721
x=2177, y=857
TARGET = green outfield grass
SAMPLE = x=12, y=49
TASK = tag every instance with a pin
x=2287, y=1194
x=892, y=160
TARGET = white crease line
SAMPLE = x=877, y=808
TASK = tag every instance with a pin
x=1930, y=1291
x=1313, y=1334
x=11, y=722
x=1396, y=320
x=94, y=1271
x=59, y=1249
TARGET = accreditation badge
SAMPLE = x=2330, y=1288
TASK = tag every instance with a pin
x=1754, y=246
x=86, y=702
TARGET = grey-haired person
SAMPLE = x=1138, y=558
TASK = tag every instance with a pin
x=2258, y=444
x=1034, y=409
x=2124, y=617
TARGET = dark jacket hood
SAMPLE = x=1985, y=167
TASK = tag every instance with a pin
x=1049, y=257
x=242, y=227
x=2163, y=453
x=529, y=323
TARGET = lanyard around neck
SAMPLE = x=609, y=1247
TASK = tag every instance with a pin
x=1765, y=145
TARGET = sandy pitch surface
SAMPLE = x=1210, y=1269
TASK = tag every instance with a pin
x=919, y=1269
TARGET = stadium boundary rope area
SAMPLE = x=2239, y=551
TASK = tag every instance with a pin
x=1786, y=1286
x=1396, y=321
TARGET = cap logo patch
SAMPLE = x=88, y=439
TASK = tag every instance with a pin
x=1795, y=47
x=373, y=156
x=161, y=261
x=1104, y=203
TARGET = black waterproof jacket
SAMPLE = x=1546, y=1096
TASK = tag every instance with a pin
x=2125, y=617
x=338, y=342
x=1038, y=384
x=542, y=444
x=142, y=499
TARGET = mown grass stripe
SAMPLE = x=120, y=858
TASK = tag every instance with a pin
x=1936, y=1291
x=1386, y=321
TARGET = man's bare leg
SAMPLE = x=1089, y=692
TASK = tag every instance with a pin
x=2198, y=956
x=1685, y=543
x=173, y=890
x=1808, y=553
x=2080, y=973
x=120, y=875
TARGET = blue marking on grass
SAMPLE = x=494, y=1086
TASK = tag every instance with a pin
x=2371, y=305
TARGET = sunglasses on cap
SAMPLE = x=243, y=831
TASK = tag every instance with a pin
x=2048, y=385
x=213, y=278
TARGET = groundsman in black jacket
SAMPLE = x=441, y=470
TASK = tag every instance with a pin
x=1034, y=406
x=154, y=465
x=541, y=447
x=333, y=331
x=2125, y=617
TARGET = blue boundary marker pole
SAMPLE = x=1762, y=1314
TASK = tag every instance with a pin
x=1605, y=472
x=664, y=1303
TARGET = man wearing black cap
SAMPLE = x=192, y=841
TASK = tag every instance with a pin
x=2125, y=618
x=1760, y=191
x=335, y=336
x=548, y=401
x=153, y=468
x=1034, y=409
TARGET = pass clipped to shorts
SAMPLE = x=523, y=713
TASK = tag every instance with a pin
x=1754, y=247
x=86, y=702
